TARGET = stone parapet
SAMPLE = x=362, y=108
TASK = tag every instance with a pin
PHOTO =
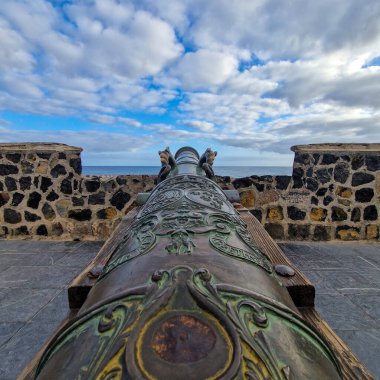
x=43, y=194
x=333, y=193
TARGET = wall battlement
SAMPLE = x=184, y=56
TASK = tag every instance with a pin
x=333, y=193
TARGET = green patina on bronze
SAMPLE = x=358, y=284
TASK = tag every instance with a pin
x=188, y=295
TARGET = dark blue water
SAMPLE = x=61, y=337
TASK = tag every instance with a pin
x=232, y=171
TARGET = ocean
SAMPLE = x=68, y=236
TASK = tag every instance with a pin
x=232, y=171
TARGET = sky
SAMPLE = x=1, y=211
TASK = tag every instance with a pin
x=123, y=79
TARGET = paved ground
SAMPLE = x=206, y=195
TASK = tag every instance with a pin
x=33, y=296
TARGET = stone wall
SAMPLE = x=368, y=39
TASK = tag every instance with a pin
x=333, y=193
x=44, y=195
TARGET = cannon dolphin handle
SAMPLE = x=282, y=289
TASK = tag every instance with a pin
x=186, y=294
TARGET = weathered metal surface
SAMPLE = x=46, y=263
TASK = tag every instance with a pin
x=187, y=294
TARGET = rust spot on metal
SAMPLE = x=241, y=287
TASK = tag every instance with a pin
x=183, y=339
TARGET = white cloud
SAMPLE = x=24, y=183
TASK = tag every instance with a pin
x=263, y=74
x=203, y=69
x=199, y=125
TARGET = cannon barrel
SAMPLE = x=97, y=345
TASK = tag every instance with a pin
x=186, y=294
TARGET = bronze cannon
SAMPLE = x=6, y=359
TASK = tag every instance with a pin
x=187, y=294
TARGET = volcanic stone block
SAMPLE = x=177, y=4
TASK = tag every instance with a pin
x=52, y=196
x=343, y=192
x=48, y=211
x=42, y=167
x=370, y=213
x=92, y=185
x=4, y=198
x=299, y=231
x=316, y=157
x=338, y=214
x=119, y=199
x=76, y=164
x=357, y=161
x=309, y=172
x=361, y=178
x=107, y=213
x=282, y=181
x=97, y=199
x=323, y=175
x=121, y=180
x=373, y=163
x=312, y=184
x=303, y=159
x=56, y=229
x=11, y=184
x=66, y=186
x=242, y=182
x=25, y=183
x=274, y=214
x=62, y=156
x=341, y=172
x=276, y=231
x=4, y=231
x=17, y=199
x=322, y=233
x=11, y=216
x=21, y=231
x=314, y=201
x=364, y=195
x=318, y=214
x=327, y=200
x=42, y=230
x=259, y=186
x=78, y=201
x=44, y=156
x=34, y=200
x=321, y=192
x=8, y=169
x=58, y=170
x=14, y=157
x=297, y=177
x=295, y=213
x=80, y=215
x=62, y=207
x=30, y=217
x=355, y=214
x=329, y=159
x=257, y=214
x=247, y=198
x=27, y=167
x=347, y=233
x=344, y=202
x=372, y=231
x=45, y=184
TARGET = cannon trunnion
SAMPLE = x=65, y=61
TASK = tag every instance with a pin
x=187, y=294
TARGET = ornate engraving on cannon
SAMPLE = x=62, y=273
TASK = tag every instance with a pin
x=215, y=310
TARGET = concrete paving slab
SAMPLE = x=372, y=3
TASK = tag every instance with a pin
x=366, y=345
x=22, y=347
x=9, y=329
x=22, y=304
x=346, y=276
x=38, y=277
x=368, y=300
x=340, y=313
